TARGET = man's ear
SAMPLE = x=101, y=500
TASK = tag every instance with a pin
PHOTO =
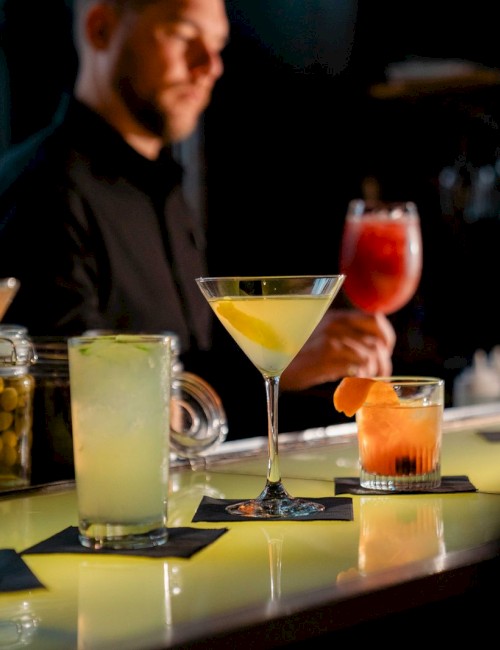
x=99, y=25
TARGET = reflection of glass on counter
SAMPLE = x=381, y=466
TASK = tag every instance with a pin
x=411, y=529
x=275, y=551
x=397, y=530
x=122, y=603
x=188, y=488
x=18, y=626
x=15, y=515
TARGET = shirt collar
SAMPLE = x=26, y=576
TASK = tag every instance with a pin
x=111, y=155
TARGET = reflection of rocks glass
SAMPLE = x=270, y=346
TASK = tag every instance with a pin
x=405, y=530
x=402, y=530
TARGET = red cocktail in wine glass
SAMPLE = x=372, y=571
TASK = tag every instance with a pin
x=381, y=254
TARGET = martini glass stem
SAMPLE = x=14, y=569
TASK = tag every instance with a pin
x=274, y=500
x=273, y=488
x=274, y=493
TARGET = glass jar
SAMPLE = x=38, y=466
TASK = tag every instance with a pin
x=198, y=420
x=17, y=354
x=52, y=450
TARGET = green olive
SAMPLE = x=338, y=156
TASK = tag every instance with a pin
x=6, y=419
x=9, y=399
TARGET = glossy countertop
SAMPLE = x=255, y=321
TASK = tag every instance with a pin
x=268, y=582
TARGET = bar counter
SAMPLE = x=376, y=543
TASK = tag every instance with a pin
x=403, y=559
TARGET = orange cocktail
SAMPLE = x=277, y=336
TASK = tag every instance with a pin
x=399, y=434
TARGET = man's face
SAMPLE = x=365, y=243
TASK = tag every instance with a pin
x=167, y=58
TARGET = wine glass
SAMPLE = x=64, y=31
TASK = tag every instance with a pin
x=271, y=318
x=381, y=254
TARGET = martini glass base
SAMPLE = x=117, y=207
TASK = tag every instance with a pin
x=275, y=503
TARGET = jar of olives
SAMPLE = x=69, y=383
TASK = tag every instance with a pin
x=17, y=354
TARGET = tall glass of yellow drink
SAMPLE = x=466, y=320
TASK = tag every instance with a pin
x=120, y=410
x=399, y=434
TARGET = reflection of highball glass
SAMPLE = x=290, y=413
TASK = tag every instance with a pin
x=121, y=603
x=400, y=441
x=120, y=397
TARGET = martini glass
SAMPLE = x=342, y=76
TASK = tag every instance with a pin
x=8, y=290
x=381, y=254
x=271, y=318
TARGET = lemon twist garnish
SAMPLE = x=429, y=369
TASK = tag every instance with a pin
x=253, y=328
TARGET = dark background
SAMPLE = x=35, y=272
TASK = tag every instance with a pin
x=293, y=132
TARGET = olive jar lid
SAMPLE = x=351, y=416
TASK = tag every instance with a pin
x=16, y=351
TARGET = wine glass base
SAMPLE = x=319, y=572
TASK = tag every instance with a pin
x=275, y=508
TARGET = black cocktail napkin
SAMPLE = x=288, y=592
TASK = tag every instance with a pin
x=15, y=574
x=182, y=542
x=215, y=510
x=350, y=485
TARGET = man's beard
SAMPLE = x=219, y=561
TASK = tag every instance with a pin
x=144, y=111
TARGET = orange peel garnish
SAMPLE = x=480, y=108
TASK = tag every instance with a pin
x=353, y=392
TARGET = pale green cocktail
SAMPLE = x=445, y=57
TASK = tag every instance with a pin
x=270, y=330
x=120, y=405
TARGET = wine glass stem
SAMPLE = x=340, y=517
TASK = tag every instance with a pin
x=272, y=392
